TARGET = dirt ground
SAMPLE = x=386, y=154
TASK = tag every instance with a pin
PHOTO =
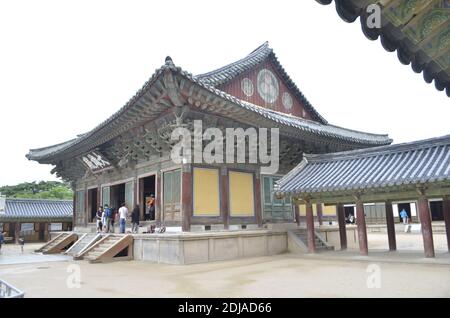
x=285, y=275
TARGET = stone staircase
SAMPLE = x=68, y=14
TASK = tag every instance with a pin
x=321, y=245
x=84, y=242
x=109, y=248
x=58, y=244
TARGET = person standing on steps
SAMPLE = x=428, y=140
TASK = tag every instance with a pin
x=98, y=218
x=135, y=219
x=123, y=214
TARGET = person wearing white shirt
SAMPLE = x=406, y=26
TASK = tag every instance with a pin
x=123, y=213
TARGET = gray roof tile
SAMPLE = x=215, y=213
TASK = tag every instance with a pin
x=418, y=162
x=37, y=209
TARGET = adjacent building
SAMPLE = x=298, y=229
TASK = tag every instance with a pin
x=34, y=219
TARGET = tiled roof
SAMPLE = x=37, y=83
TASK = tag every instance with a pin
x=37, y=210
x=229, y=72
x=417, y=30
x=416, y=163
x=361, y=139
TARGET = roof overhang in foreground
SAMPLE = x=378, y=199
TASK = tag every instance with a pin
x=393, y=172
x=418, y=30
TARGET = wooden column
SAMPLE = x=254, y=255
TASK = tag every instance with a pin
x=425, y=221
x=86, y=205
x=16, y=232
x=224, y=190
x=340, y=212
x=258, y=209
x=74, y=208
x=140, y=199
x=99, y=194
x=310, y=227
x=390, y=226
x=186, y=197
x=446, y=211
x=158, y=198
x=319, y=213
x=135, y=194
x=362, y=230
x=297, y=214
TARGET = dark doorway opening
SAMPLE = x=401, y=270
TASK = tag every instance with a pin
x=437, y=211
x=147, y=187
x=349, y=210
x=117, y=196
x=12, y=230
x=42, y=227
x=92, y=203
x=407, y=207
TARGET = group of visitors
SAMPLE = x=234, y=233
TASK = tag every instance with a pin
x=106, y=217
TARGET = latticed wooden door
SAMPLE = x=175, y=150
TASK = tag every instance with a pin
x=172, y=196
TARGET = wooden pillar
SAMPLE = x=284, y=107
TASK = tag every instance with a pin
x=362, y=230
x=224, y=185
x=99, y=194
x=390, y=223
x=425, y=221
x=135, y=194
x=16, y=232
x=140, y=199
x=446, y=211
x=297, y=214
x=340, y=211
x=310, y=227
x=186, y=197
x=86, y=205
x=258, y=209
x=319, y=213
x=158, y=198
x=74, y=208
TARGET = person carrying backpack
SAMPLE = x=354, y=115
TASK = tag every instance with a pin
x=108, y=215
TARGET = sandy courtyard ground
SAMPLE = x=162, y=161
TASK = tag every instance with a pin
x=285, y=275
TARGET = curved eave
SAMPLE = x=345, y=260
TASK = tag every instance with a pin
x=408, y=53
x=93, y=138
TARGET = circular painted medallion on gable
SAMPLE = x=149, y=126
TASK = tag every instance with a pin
x=247, y=87
x=267, y=86
x=287, y=100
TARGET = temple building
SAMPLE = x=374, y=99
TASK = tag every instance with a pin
x=128, y=157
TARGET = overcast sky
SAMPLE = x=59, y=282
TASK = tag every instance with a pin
x=67, y=66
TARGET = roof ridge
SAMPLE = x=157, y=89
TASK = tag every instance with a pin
x=42, y=200
x=380, y=150
x=262, y=49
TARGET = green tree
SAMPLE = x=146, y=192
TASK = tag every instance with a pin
x=39, y=190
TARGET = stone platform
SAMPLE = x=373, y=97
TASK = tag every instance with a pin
x=190, y=248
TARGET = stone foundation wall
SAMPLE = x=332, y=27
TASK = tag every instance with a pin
x=193, y=248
